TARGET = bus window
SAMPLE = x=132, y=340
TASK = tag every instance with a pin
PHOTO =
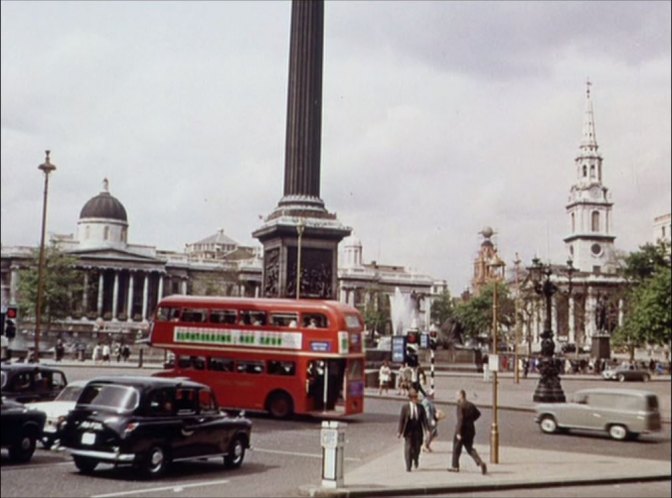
x=254, y=318
x=223, y=316
x=194, y=316
x=315, y=321
x=281, y=367
x=166, y=314
x=284, y=319
x=221, y=364
x=352, y=322
x=251, y=367
x=195, y=362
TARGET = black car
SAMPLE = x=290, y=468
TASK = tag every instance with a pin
x=150, y=422
x=21, y=428
x=27, y=382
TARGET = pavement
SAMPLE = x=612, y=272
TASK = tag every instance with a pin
x=517, y=468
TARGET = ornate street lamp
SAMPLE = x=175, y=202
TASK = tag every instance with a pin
x=47, y=168
x=549, y=389
x=299, y=230
x=495, y=264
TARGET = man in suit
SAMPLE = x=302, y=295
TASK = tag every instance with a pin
x=467, y=414
x=412, y=424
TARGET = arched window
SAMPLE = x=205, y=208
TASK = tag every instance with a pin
x=595, y=221
x=585, y=170
x=573, y=223
x=106, y=233
x=592, y=171
x=123, y=234
x=87, y=232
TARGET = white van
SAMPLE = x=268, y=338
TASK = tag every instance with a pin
x=622, y=413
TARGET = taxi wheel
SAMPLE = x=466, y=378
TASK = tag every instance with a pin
x=24, y=448
x=236, y=454
x=85, y=465
x=157, y=462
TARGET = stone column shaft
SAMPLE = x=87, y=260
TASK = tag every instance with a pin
x=145, y=294
x=129, y=307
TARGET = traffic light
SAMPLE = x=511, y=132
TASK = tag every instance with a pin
x=10, y=329
x=12, y=313
x=413, y=337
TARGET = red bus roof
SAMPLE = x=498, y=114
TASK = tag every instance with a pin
x=260, y=303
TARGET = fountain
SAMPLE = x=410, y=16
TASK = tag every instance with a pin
x=403, y=312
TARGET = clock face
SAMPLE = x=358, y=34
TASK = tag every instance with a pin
x=595, y=192
x=596, y=249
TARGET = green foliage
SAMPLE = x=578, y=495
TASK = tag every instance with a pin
x=443, y=308
x=648, y=317
x=61, y=282
x=376, y=312
x=475, y=315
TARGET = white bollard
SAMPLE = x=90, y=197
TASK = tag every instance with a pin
x=332, y=439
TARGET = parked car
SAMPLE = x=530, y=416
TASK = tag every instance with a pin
x=21, y=428
x=622, y=413
x=28, y=382
x=57, y=410
x=150, y=422
x=626, y=372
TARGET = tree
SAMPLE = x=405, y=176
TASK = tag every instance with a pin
x=648, y=317
x=475, y=315
x=62, y=283
x=443, y=308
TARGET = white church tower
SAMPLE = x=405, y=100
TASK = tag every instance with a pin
x=590, y=243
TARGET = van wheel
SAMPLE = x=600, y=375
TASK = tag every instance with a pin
x=548, y=425
x=280, y=405
x=618, y=432
x=157, y=462
x=85, y=465
x=236, y=454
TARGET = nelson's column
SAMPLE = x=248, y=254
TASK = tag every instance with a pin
x=300, y=237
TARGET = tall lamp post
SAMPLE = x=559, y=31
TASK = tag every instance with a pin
x=495, y=265
x=548, y=389
x=299, y=230
x=47, y=168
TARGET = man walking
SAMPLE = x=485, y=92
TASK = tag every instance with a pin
x=467, y=414
x=412, y=424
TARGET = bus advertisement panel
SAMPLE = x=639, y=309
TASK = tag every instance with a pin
x=282, y=356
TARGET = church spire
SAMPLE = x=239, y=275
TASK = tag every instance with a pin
x=588, y=139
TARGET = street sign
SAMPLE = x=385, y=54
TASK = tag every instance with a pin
x=399, y=349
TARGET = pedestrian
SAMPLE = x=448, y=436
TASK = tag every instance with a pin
x=467, y=414
x=432, y=421
x=526, y=367
x=418, y=378
x=125, y=352
x=412, y=425
x=404, y=379
x=106, y=353
x=384, y=376
x=117, y=351
x=96, y=353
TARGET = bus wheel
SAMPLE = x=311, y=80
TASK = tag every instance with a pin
x=280, y=405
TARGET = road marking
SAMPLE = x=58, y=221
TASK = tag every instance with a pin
x=175, y=488
x=296, y=453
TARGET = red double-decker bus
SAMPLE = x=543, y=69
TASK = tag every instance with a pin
x=282, y=356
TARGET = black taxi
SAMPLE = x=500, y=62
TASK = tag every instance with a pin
x=21, y=428
x=28, y=382
x=151, y=422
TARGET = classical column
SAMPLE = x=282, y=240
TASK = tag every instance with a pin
x=99, y=302
x=85, y=293
x=257, y=290
x=145, y=294
x=160, y=288
x=129, y=307
x=13, y=285
x=115, y=295
x=183, y=285
x=590, y=328
x=571, y=320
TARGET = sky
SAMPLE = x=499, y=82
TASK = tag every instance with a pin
x=439, y=119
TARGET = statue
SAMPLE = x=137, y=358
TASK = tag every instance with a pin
x=601, y=314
